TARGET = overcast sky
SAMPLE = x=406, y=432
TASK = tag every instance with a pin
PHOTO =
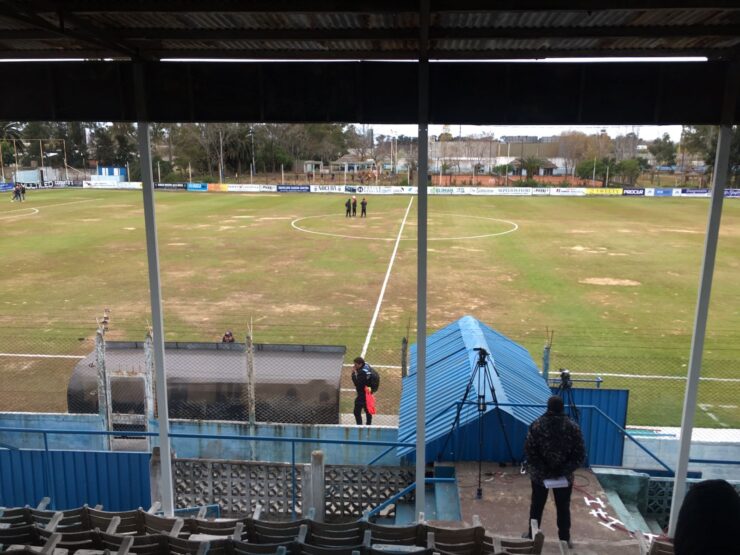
x=647, y=132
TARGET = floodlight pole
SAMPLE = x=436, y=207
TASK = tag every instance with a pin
x=421, y=276
x=721, y=166
x=155, y=292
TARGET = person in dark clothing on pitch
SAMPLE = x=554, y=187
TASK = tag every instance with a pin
x=363, y=208
x=361, y=378
x=554, y=449
x=354, y=206
x=348, y=207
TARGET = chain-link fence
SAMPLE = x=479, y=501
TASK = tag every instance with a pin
x=657, y=387
x=284, y=383
x=303, y=383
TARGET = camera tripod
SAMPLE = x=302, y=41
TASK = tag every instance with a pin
x=483, y=381
x=565, y=391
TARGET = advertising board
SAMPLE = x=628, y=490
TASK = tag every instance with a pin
x=293, y=188
x=197, y=186
x=170, y=185
x=696, y=193
x=604, y=191
x=502, y=191
x=541, y=191
x=242, y=188
x=662, y=192
x=568, y=191
x=449, y=191
x=633, y=192
x=327, y=189
x=268, y=188
x=732, y=193
x=111, y=184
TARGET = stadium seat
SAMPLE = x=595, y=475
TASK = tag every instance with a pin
x=518, y=545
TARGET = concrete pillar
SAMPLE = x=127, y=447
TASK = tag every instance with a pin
x=318, y=500
x=104, y=397
x=149, y=392
x=250, y=380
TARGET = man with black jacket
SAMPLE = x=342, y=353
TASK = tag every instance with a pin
x=361, y=379
x=554, y=449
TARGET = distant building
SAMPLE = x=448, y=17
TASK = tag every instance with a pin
x=520, y=139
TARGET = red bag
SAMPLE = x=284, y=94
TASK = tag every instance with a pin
x=369, y=401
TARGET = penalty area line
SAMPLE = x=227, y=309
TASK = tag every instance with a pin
x=385, y=282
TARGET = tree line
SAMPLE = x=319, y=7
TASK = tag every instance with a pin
x=209, y=151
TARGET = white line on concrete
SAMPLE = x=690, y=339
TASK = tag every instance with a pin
x=654, y=377
x=385, y=281
x=35, y=355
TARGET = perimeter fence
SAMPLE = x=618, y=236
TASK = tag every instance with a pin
x=308, y=384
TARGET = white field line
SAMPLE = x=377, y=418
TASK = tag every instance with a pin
x=385, y=282
x=17, y=213
x=654, y=377
x=706, y=408
x=35, y=355
x=36, y=210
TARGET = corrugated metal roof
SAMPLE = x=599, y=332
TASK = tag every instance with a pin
x=450, y=366
x=367, y=30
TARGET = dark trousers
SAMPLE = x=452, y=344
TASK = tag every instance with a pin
x=359, y=407
x=363, y=214
x=562, y=505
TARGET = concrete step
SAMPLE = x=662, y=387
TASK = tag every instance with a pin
x=628, y=514
x=447, y=500
x=405, y=513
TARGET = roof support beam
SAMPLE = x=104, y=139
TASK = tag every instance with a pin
x=721, y=167
x=421, y=258
x=155, y=291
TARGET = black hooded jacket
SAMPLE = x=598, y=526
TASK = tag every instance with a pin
x=554, y=447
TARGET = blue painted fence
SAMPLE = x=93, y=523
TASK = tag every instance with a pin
x=118, y=481
x=604, y=441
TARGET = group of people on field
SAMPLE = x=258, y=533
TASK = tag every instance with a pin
x=19, y=193
x=351, y=207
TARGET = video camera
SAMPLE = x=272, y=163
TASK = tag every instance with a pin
x=482, y=354
x=565, y=379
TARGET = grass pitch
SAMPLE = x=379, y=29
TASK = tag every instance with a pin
x=615, y=278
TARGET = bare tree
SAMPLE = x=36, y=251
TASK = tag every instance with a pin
x=574, y=146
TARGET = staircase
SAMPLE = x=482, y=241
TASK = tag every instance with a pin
x=441, y=500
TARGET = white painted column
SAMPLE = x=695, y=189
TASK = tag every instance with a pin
x=421, y=275
x=155, y=292
x=721, y=165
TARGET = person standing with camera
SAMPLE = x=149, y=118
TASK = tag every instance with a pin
x=554, y=449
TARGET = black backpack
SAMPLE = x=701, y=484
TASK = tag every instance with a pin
x=374, y=380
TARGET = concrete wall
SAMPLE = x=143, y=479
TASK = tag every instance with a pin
x=53, y=421
x=275, y=451
x=720, y=445
x=215, y=448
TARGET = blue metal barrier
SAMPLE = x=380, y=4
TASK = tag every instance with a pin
x=50, y=487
